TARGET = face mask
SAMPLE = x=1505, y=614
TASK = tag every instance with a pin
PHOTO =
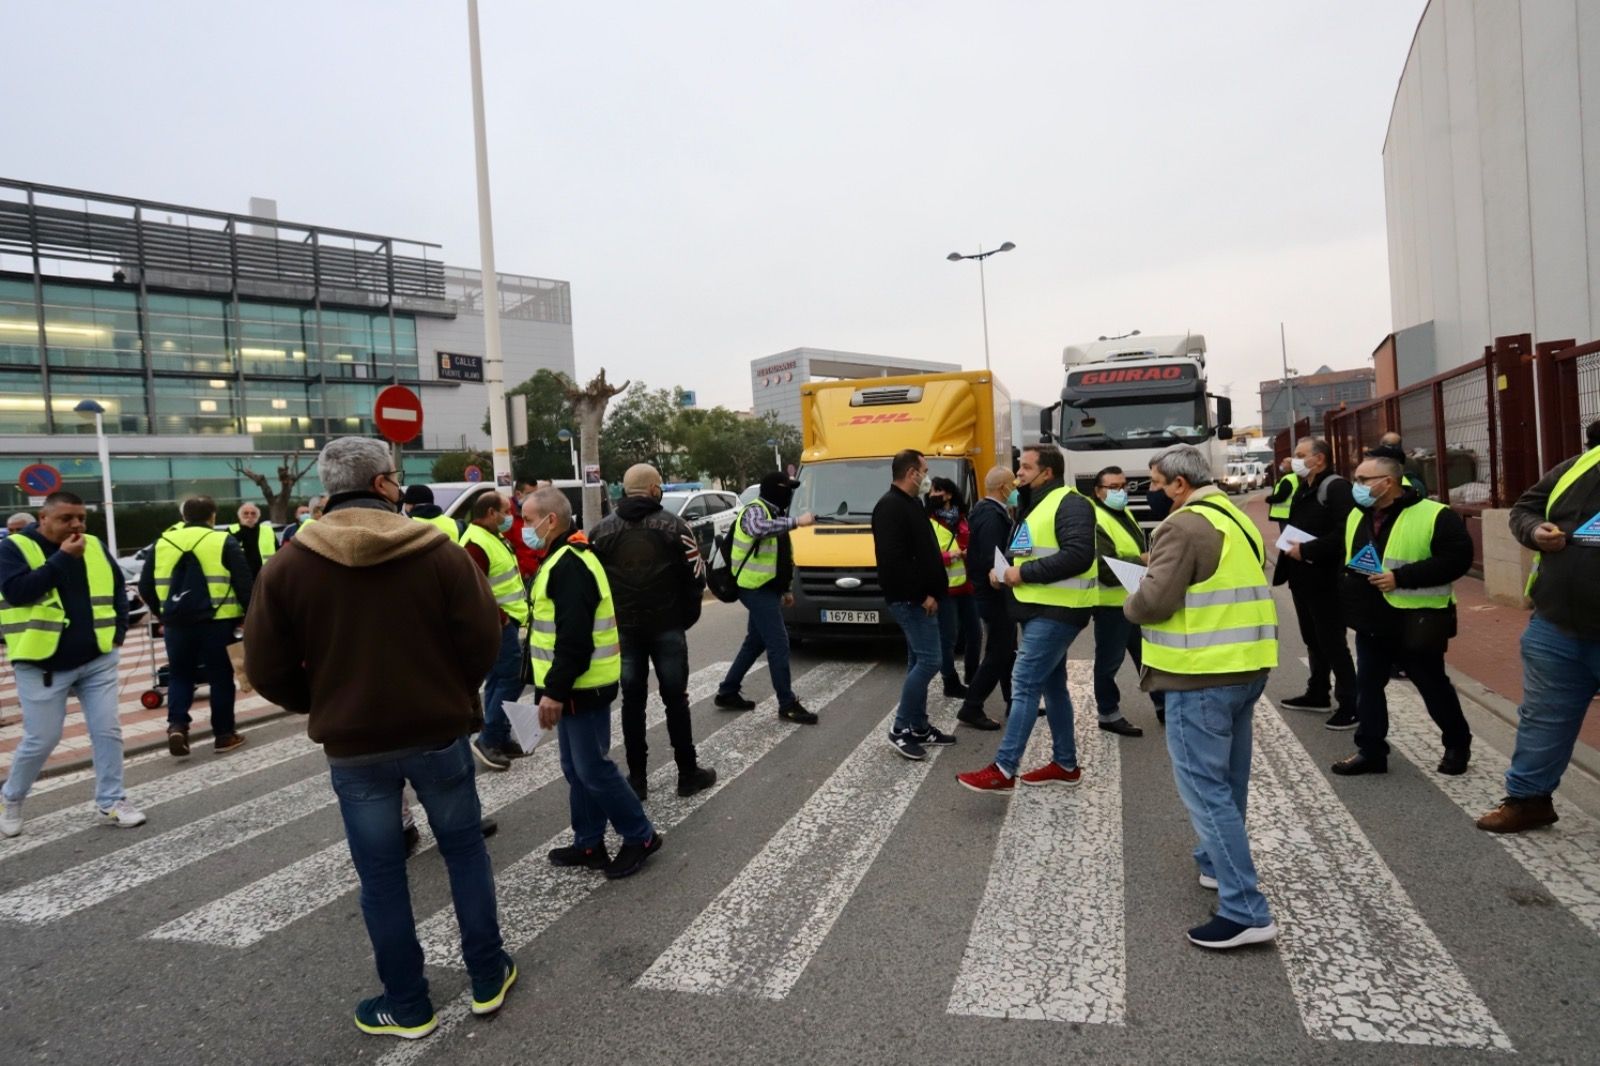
x=531, y=537
x=925, y=486
x=1300, y=467
x=505, y=524
x=1362, y=495
x=1116, y=499
x=304, y=519
x=1013, y=499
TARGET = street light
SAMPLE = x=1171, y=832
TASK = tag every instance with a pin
x=777, y=459
x=87, y=408
x=566, y=435
x=983, y=292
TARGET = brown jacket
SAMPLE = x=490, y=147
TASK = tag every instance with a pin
x=1184, y=550
x=376, y=626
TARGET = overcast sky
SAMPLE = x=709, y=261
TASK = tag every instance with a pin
x=722, y=181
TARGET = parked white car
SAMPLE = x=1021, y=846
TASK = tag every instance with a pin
x=1244, y=477
x=709, y=512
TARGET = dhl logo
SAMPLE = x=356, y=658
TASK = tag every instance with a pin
x=870, y=420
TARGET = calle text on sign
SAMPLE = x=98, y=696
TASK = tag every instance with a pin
x=456, y=367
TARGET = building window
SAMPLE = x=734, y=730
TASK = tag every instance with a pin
x=88, y=327
x=190, y=333
x=19, y=324
x=277, y=339
x=22, y=402
x=191, y=406
x=122, y=395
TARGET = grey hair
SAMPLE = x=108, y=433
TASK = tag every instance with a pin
x=348, y=464
x=552, y=501
x=1389, y=467
x=1185, y=461
x=24, y=515
x=1319, y=446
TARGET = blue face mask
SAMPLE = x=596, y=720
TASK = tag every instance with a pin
x=505, y=524
x=531, y=538
x=1013, y=499
x=1116, y=499
x=1362, y=495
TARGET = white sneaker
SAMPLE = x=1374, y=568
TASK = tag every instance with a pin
x=121, y=814
x=10, y=817
x=1207, y=881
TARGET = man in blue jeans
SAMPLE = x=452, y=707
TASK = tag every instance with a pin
x=389, y=683
x=911, y=573
x=1054, y=591
x=763, y=568
x=484, y=541
x=1560, y=519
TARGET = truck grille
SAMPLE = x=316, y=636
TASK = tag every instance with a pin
x=820, y=582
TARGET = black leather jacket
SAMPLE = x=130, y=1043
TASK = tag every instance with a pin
x=654, y=566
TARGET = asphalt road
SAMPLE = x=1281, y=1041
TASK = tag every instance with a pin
x=829, y=902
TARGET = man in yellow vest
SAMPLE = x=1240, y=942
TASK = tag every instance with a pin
x=63, y=614
x=418, y=503
x=485, y=543
x=1054, y=587
x=1118, y=535
x=1560, y=519
x=1210, y=638
x=1402, y=554
x=576, y=655
x=198, y=619
x=255, y=536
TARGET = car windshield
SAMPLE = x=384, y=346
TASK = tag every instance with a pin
x=846, y=490
x=1090, y=426
x=443, y=497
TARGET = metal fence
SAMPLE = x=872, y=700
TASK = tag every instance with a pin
x=1568, y=377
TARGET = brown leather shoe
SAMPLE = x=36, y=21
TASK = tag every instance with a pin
x=232, y=742
x=1518, y=813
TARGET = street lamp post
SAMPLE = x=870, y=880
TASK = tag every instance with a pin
x=777, y=460
x=88, y=408
x=493, y=363
x=572, y=448
x=1283, y=348
x=983, y=290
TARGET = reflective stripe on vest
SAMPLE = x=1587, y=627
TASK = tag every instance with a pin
x=955, y=571
x=505, y=580
x=1280, y=510
x=1123, y=545
x=33, y=633
x=265, y=538
x=754, y=561
x=1410, y=541
x=1588, y=461
x=605, y=662
x=207, y=545
x=1079, y=590
x=1228, y=623
x=446, y=525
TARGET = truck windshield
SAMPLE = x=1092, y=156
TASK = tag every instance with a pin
x=846, y=490
x=1089, y=425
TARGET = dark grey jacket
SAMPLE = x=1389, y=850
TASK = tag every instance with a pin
x=1567, y=589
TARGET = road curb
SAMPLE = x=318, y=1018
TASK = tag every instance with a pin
x=1584, y=758
x=195, y=733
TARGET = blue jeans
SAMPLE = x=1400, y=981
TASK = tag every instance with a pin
x=924, y=652
x=195, y=651
x=44, y=712
x=503, y=683
x=669, y=650
x=369, y=803
x=764, y=632
x=1041, y=668
x=1560, y=675
x=596, y=790
x=1209, y=742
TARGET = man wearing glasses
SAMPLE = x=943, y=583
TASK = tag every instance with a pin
x=1402, y=555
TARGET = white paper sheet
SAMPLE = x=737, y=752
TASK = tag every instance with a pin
x=1130, y=574
x=1000, y=565
x=524, y=724
x=1293, y=535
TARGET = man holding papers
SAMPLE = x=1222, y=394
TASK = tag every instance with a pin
x=1118, y=539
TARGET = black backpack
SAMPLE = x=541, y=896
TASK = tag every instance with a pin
x=188, y=598
x=721, y=578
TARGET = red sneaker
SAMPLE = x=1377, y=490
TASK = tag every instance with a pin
x=1052, y=774
x=989, y=779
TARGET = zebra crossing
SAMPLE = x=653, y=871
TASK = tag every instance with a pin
x=1045, y=938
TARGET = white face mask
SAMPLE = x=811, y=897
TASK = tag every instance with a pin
x=1300, y=467
x=925, y=486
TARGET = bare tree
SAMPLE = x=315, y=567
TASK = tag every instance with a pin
x=589, y=404
x=289, y=474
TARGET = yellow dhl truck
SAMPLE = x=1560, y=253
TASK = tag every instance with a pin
x=851, y=430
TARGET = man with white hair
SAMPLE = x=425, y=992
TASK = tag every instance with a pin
x=390, y=684
x=577, y=664
x=18, y=522
x=254, y=536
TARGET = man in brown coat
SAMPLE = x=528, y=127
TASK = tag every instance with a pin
x=379, y=628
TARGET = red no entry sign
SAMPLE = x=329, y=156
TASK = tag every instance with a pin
x=398, y=414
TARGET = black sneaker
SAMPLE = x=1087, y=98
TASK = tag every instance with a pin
x=1455, y=761
x=954, y=689
x=640, y=786
x=1341, y=719
x=631, y=858
x=932, y=736
x=905, y=742
x=976, y=719
x=1357, y=764
x=413, y=838
x=695, y=779
x=1308, y=701
x=1220, y=934
x=489, y=996
x=1122, y=728
x=572, y=855
x=178, y=742
x=732, y=701
x=491, y=758
x=488, y=827
x=795, y=712
x=512, y=750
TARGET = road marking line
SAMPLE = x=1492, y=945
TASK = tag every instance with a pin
x=532, y=894
x=757, y=937
x=1047, y=941
x=1361, y=961
x=246, y=916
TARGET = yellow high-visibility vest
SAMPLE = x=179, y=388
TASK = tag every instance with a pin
x=605, y=662
x=33, y=632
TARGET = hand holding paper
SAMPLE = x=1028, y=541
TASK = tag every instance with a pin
x=1130, y=574
x=524, y=724
x=1292, y=535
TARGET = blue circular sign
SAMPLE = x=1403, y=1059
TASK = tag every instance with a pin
x=474, y=474
x=40, y=479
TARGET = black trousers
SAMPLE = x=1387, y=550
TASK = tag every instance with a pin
x=999, y=653
x=1321, y=617
x=1376, y=658
x=669, y=651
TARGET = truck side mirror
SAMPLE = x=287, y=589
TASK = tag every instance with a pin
x=1045, y=434
x=1224, y=432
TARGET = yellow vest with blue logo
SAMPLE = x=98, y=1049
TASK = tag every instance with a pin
x=1124, y=546
x=605, y=663
x=1588, y=461
x=1036, y=539
x=755, y=562
x=33, y=633
x=955, y=571
x=265, y=538
x=1410, y=541
x=446, y=525
x=505, y=580
x=206, y=544
x=1280, y=511
x=1228, y=623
